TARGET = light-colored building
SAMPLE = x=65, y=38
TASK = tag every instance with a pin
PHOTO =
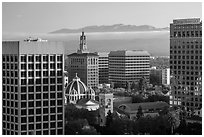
x=128, y=66
x=103, y=67
x=89, y=104
x=32, y=88
x=186, y=63
x=166, y=76
x=77, y=90
x=85, y=64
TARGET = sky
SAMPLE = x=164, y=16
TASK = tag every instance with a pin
x=45, y=17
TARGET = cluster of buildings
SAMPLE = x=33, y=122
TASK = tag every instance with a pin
x=36, y=87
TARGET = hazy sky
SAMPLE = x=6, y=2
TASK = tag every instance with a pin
x=46, y=17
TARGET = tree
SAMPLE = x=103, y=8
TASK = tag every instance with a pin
x=128, y=86
x=142, y=84
x=134, y=86
x=174, y=121
x=139, y=112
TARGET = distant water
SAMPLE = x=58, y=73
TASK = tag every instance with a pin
x=155, y=42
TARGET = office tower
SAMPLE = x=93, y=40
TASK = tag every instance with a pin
x=32, y=88
x=85, y=64
x=103, y=67
x=186, y=63
x=128, y=66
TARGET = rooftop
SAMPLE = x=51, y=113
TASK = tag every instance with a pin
x=129, y=53
x=83, y=54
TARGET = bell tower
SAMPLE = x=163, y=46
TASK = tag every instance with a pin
x=105, y=105
x=82, y=44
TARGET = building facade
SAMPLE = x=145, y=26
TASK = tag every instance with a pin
x=32, y=88
x=128, y=66
x=186, y=63
x=103, y=67
x=155, y=76
x=166, y=76
x=85, y=64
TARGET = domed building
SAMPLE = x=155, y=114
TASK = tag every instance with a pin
x=77, y=90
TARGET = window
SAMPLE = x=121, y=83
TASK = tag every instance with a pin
x=31, y=96
x=23, y=74
x=59, y=58
x=38, y=81
x=31, y=58
x=45, y=66
x=45, y=110
x=38, y=73
x=45, y=81
x=31, y=73
x=52, y=103
x=52, y=81
x=45, y=73
x=31, y=89
x=52, y=88
x=38, y=103
x=59, y=87
x=23, y=97
x=38, y=66
x=45, y=88
x=59, y=65
x=23, y=82
x=38, y=88
x=31, y=104
x=52, y=66
x=52, y=73
x=23, y=112
x=59, y=73
x=45, y=58
x=59, y=80
x=52, y=58
x=45, y=118
x=38, y=96
x=38, y=111
x=23, y=120
x=53, y=117
x=23, y=58
x=45, y=95
x=38, y=126
x=23, y=66
x=38, y=58
x=31, y=81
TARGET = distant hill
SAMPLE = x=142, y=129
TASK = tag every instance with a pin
x=111, y=28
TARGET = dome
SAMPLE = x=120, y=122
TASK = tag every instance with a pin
x=77, y=85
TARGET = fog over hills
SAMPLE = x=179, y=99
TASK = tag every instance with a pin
x=111, y=28
x=155, y=41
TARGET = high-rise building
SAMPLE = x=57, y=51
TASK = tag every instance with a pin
x=186, y=63
x=103, y=67
x=128, y=66
x=85, y=64
x=32, y=88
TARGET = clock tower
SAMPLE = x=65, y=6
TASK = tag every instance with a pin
x=105, y=105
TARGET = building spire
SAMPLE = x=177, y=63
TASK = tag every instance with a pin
x=82, y=44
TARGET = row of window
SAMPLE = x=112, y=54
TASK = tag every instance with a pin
x=186, y=62
x=41, y=88
x=39, y=66
x=38, y=58
x=185, y=57
x=9, y=66
x=187, y=67
x=9, y=58
x=185, y=52
x=41, y=81
x=186, y=47
x=38, y=73
x=187, y=34
x=194, y=73
x=44, y=132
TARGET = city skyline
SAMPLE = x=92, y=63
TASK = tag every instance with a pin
x=18, y=17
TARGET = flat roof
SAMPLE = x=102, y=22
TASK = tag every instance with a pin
x=129, y=53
